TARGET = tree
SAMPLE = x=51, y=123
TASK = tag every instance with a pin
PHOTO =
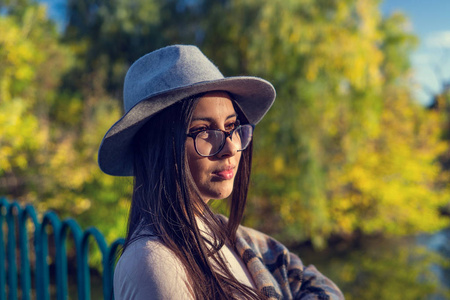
x=27, y=93
x=343, y=116
x=50, y=139
x=107, y=37
x=344, y=148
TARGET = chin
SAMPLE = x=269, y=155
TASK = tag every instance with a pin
x=217, y=194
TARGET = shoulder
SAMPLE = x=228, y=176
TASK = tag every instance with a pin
x=149, y=270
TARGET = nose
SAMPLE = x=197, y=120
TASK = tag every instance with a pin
x=229, y=149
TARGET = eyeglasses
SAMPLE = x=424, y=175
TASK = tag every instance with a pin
x=210, y=142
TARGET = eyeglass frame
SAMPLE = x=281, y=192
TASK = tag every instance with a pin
x=226, y=133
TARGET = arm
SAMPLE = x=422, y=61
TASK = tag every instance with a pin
x=149, y=270
x=279, y=273
x=309, y=283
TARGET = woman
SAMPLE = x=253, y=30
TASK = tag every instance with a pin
x=186, y=137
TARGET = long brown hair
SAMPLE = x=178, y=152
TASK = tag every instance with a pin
x=166, y=201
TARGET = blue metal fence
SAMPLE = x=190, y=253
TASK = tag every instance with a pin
x=15, y=266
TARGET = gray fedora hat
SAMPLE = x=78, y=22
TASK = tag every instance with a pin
x=164, y=77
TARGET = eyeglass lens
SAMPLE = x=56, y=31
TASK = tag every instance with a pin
x=210, y=142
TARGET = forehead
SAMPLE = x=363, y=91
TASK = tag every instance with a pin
x=214, y=105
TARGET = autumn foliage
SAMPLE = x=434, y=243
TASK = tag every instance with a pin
x=345, y=148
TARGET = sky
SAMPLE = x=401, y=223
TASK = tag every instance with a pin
x=429, y=20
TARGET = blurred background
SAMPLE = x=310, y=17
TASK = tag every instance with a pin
x=351, y=165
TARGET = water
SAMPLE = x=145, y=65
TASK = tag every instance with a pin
x=415, y=267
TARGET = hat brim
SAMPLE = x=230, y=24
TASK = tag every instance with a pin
x=253, y=95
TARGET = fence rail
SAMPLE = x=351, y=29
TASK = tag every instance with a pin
x=16, y=226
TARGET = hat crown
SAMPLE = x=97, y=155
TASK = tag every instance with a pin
x=166, y=69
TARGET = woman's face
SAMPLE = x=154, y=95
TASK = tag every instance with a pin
x=214, y=175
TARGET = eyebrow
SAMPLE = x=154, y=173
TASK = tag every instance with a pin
x=211, y=120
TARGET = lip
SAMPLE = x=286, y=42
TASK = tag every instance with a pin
x=226, y=173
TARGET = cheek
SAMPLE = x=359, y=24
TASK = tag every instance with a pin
x=194, y=160
x=201, y=168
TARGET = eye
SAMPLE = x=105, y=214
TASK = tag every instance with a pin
x=232, y=126
x=198, y=129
